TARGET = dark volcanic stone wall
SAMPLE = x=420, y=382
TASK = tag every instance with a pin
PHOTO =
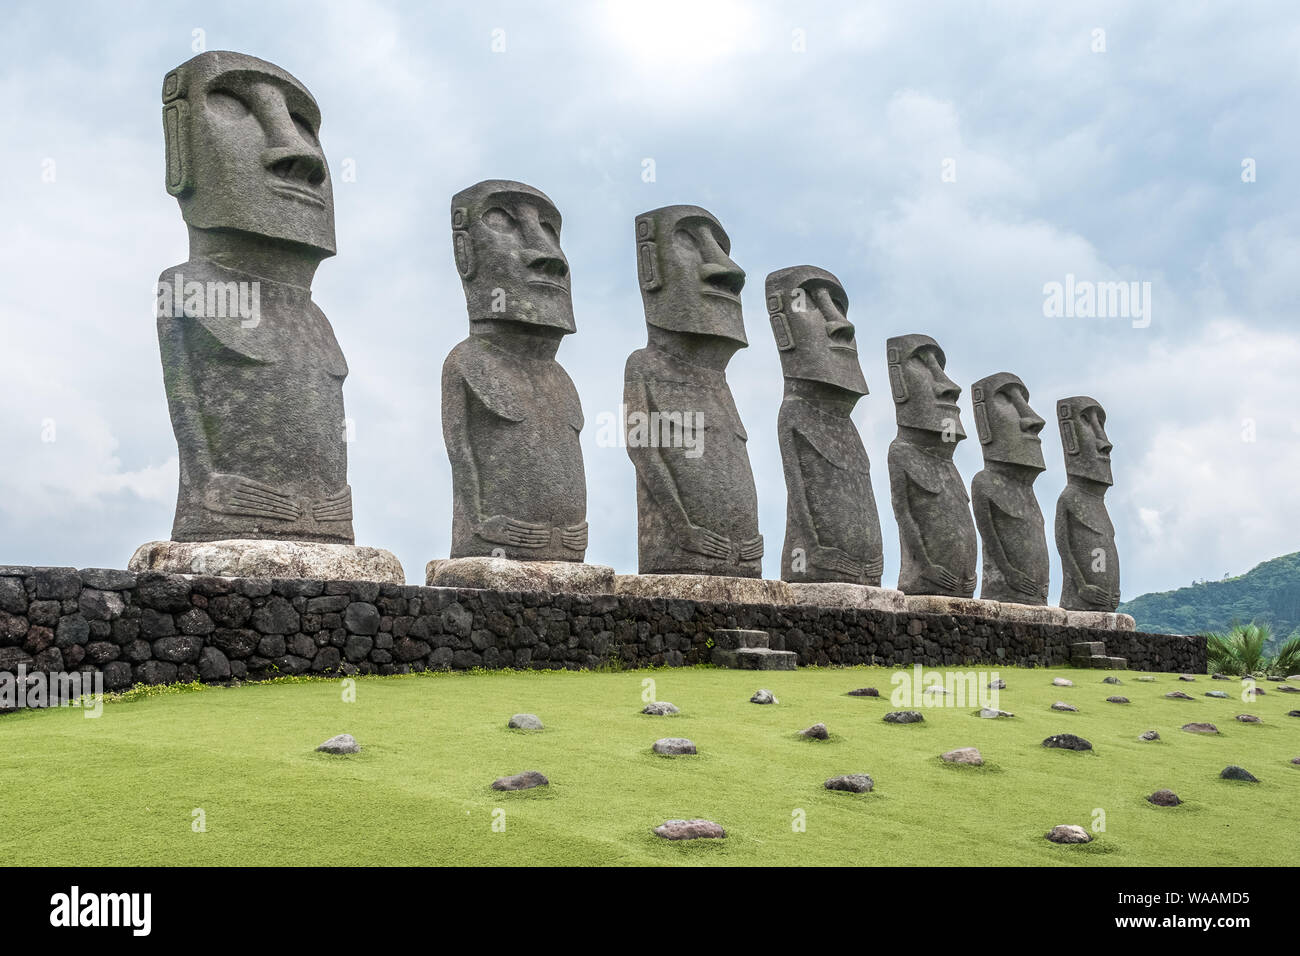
x=158, y=628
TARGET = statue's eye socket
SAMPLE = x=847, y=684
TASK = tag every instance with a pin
x=498, y=220
x=304, y=128
x=686, y=240
x=227, y=104
x=551, y=232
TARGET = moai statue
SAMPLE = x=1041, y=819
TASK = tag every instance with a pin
x=935, y=531
x=697, y=509
x=1007, y=515
x=510, y=413
x=832, y=529
x=1085, y=538
x=253, y=373
x=256, y=399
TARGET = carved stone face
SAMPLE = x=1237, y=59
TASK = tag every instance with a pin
x=1083, y=435
x=243, y=152
x=924, y=397
x=688, y=281
x=506, y=238
x=1007, y=427
x=808, y=310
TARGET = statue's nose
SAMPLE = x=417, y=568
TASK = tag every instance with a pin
x=291, y=162
x=547, y=263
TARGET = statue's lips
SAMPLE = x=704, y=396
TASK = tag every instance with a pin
x=297, y=192
x=550, y=283
x=844, y=348
x=720, y=294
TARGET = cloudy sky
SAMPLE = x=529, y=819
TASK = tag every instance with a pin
x=946, y=160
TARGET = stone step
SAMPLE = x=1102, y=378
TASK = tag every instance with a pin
x=1102, y=662
x=764, y=659
x=1088, y=649
x=733, y=639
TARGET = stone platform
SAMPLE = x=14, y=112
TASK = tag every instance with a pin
x=156, y=628
x=258, y=558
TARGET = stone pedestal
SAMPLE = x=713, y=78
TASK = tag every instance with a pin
x=1032, y=613
x=942, y=604
x=717, y=589
x=848, y=595
x=1100, y=620
x=257, y=558
x=504, y=574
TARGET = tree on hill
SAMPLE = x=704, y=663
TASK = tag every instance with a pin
x=1269, y=594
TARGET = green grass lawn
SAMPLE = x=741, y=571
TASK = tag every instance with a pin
x=123, y=788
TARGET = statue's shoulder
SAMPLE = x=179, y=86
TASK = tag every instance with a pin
x=833, y=439
x=217, y=313
x=1014, y=501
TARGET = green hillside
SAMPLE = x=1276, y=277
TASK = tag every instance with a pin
x=1267, y=594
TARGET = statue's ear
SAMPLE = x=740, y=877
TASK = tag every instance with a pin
x=981, y=414
x=896, y=383
x=1069, y=436
x=780, y=325
x=461, y=244
x=647, y=261
x=176, y=132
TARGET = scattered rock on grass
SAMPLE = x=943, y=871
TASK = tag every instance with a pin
x=521, y=781
x=1149, y=735
x=1062, y=682
x=1285, y=688
x=864, y=692
x=1146, y=680
x=340, y=744
x=1062, y=705
x=816, y=732
x=1111, y=680
x=1293, y=713
x=998, y=684
x=525, y=722
x=1179, y=695
x=660, y=708
x=1223, y=695
x=1200, y=728
x=852, y=782
x=763, y=696
x=1117, y=700
x=966, y=755
x=690, y=830
x=1187, y=677
x=903, y=717
x=1068, y=833
x=1248, y=719
x=1067, y=742
x=1164, y=798
x=674, y=746
x=1233, y=772
x=1220, y=677
x=992, y=712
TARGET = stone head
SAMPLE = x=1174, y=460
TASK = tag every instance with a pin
x=688, y=281
x=243, y=151
x=506, y=239
x=924, y=396
x=1007, y=427
x=1083, y=436
x=809, y=309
